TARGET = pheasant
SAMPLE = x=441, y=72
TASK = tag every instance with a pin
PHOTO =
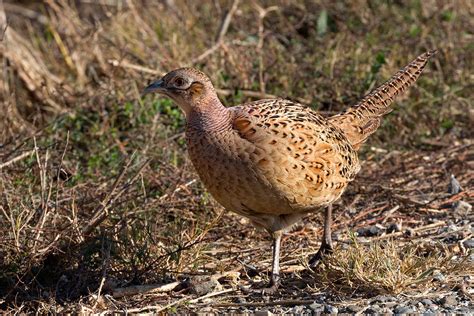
x=274, y=160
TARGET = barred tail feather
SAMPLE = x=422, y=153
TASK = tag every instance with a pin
x=363, y=119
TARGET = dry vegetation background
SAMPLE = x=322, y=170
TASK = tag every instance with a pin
x=97, y=193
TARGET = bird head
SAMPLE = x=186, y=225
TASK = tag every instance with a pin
x=188, y=87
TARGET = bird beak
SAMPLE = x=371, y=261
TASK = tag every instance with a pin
x=157, y=86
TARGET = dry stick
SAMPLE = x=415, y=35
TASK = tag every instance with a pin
x=144, y=289
x=104, y=275
x=263, y=304
x=45, y=194
x=222, y=92
x=397, y=234
x=220, y=37
x=210, y=295
x=25, y=12
x=157, y=309
x=258, y=94
x=17, y=158
x=101, y=214
x=3, y=21
x=262, y=13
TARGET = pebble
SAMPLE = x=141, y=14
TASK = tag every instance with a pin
x=454, y=186
x=330, y=309
x=438, y=276
x=263, y=313
x=369, y=231
x=202, y=284
x=448, y=301
x=403, y=309
x=384, y=298
x=394, y=227
x=354, y=308
x=469, y=243
x=427, y=302
x=409, y=232
x=374, y=309
x=317, y=308
x=462, y=207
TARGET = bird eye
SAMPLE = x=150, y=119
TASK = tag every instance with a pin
x=179, y=82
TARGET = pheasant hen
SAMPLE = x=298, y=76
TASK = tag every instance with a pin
x=274, y=161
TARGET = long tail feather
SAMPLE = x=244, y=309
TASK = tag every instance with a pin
x=363, y=119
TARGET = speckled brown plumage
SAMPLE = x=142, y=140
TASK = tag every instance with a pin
x=274, y=161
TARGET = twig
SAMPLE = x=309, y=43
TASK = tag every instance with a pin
x=24, y=11
x=417, y=229
x=226, y=22
x=126, y=64
x=222, y=92
x=258, y=94
x=178, y=189
x=220, y=37
x=101, y=214
x=3, y=21
x=262, y=304
x=17, y=158
x=210, y=295
x=156, y=308
x=262, y=13
x=144, y=289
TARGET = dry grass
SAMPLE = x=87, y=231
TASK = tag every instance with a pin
x=389, y=267
x=96, y=191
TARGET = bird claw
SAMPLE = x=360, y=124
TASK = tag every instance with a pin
x=324, y=250
x=270, y=290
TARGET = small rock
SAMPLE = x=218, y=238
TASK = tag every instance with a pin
x=240, y=300
x=373, y=309
x=317, y=308
x=331, y=309
x=438, y=276
x=384, y=298
x=462, y=207
x=263, y=313
x=427, y=302
x=354, y=308
x=403, y=309
x=394, y=227
x=448, y=301
x=369, y=231
x=454, y=186
x=452, y=228
x=203, y=284
x=389, y=304
x=409, y=232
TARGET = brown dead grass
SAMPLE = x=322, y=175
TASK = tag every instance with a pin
x=389, y=267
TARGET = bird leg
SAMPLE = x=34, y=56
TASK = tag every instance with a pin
x=326, y=245
x=275, y=278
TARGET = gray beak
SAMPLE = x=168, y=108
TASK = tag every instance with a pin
x=155, y=86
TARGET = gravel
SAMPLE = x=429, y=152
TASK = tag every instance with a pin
x=384, y=304
x=469, y=243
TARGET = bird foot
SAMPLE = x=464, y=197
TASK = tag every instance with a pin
x=270, y=290
x=316, y=259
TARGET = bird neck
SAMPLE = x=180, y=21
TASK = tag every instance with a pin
x=208, y=114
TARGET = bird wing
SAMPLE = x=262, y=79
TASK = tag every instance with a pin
x=303, y=156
